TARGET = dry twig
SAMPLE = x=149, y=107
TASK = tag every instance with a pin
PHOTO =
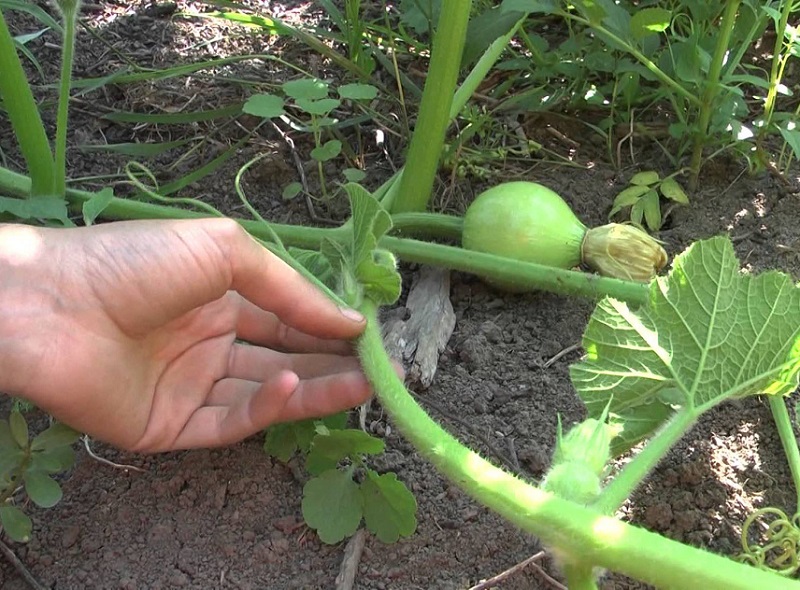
x=105, y=461
x=20, y=567
x=531, y=561
x=350, y=561
x=562, y=353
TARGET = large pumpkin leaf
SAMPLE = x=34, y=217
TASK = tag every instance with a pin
x=708, y=333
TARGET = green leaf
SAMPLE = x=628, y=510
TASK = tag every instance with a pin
x=16, y=523
x=318, y=107
x=332, y=505
x=374, y=268
x=53, y=460
x=390, y=509
x=637, y=212
x=709, y=331
x=627, y=197
x=10, y=458
x=379, y=276
x=266, y=106
x=306, y=88
x=57, y=435
x=328, y=151
x=279, y=443
x=334, y=421
x=354, y=174
x=792, y=137
x=95, y=205
x=673, y=191
x=282, y=440
x=652, y=210
x=19, y=428
x=646, y=178
x=359, y=264
x=330, y=448
x=649, y=21
x=36, y=208
x=41, y=488
x=6, y=438
x=532, y=6
x=291, y=190
x=358, y=91
x=316, y=263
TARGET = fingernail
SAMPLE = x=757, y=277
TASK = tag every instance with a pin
x=351, y=314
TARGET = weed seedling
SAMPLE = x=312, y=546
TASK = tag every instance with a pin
x=27, y=464
x=343, y=489
x=306, y=106
x=644, y=200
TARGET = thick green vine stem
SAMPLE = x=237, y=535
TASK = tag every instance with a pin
x=777, y=404
x=578, y=535
x=533, y=276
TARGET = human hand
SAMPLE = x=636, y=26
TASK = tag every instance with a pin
x=132, y=333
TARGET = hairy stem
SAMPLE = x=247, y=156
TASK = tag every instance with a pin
x=579, y=577
x=425, y=149
x=503, y=270
x=621, y=487
x=70, y=11
x=784, y=423
x=778, y=62
x=712, y=86
x=580, y=536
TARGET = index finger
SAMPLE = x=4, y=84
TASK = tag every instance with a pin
x=267, y=281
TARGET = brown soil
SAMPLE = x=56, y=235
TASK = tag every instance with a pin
x=230, y=518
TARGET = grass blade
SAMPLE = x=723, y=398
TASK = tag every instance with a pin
x=24, y=115
x=35, y=11
x=125, y=76
x=140, y=150
x=204, y=170
x=175, y=118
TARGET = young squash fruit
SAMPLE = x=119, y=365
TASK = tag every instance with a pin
x=529, y=222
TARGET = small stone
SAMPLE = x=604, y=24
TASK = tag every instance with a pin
x=178, y=579
x=285, y=524
x=70, y=536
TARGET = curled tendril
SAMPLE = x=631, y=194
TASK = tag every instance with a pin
x=131, y=169
x=781, y=537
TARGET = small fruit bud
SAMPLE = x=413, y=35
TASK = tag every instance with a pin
x=579, y=461
x=623, y=252
x=588, y=442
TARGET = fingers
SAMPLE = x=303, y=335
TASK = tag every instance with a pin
x=239, y=408
x=266, y=329
x=272, y=285
x=257, y=364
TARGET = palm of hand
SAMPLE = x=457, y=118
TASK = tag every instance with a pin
x=145, y=344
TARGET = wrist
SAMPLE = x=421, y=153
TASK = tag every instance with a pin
x=25, y=301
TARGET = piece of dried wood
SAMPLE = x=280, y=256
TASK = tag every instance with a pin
x=421, y=336
x=350, y=561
